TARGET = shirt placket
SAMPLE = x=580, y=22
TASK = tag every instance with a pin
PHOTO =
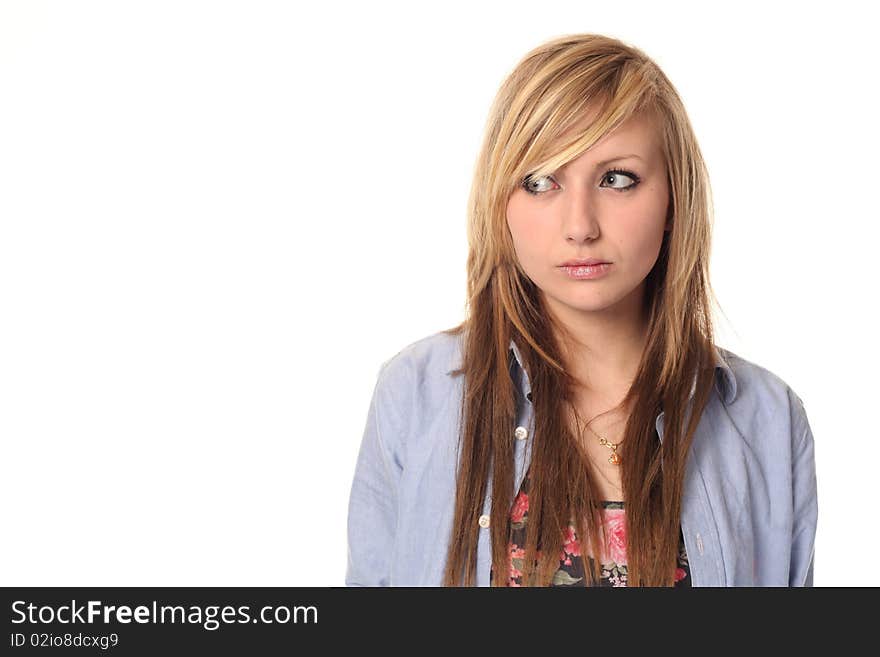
x=522, y=434
x=701, y=540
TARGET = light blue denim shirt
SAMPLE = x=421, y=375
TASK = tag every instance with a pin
x=749, y=507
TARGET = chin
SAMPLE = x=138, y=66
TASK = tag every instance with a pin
x=582, y=304
x=591, y=300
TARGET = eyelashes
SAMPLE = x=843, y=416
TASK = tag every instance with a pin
x=529, y=182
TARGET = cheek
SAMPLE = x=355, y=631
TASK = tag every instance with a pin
x=642, y=232
x=530, y=234
x=643, y=245
x=647, y=238
x=524, y=227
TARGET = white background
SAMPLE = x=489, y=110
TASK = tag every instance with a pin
x=217, y=219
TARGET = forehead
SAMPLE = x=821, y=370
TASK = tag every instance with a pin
x=639, y=134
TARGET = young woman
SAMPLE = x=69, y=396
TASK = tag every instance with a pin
x=580, y=427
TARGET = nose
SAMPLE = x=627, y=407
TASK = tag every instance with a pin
x=581, y=220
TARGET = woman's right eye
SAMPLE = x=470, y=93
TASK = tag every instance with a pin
x=537, y=185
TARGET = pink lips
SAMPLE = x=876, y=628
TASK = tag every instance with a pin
x=587, y=272
x=580, y=262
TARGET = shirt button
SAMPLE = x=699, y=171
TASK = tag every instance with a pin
x=521, y=433
x=484, y=521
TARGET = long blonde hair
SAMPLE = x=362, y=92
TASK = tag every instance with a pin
x=546, y=93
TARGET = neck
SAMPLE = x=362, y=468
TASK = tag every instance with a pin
x=604, y=348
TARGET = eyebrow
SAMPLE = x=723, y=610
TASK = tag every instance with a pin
x=619, y=157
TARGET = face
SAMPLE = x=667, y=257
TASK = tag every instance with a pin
x=594, y=207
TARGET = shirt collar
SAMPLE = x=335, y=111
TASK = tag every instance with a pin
x=725, y=381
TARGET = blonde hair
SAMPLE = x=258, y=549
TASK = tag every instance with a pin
x=529, y=132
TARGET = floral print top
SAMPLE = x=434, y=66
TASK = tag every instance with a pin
x=571, y=570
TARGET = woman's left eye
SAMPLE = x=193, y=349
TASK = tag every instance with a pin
x=620, y=174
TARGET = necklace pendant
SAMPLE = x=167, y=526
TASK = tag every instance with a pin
x=614, y=459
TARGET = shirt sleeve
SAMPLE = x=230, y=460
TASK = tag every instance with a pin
x=805, y=504
x=373, y=500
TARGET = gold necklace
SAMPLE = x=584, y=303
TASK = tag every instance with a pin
x=614, y=458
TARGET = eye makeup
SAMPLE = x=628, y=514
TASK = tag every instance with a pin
x=528, y=181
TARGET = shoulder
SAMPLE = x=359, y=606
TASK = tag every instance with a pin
x=418, y=378
x=427, y=360
x=763, y=396
x=754, y=382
